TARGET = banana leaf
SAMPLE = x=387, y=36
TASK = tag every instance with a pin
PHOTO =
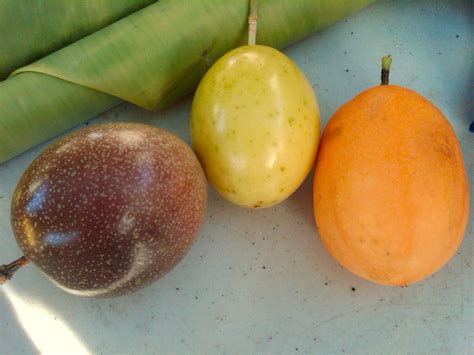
x=31, y=29
x=151, y=58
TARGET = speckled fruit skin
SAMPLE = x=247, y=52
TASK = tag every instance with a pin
x=110, y=208
x=391, y=196
x=255, y=126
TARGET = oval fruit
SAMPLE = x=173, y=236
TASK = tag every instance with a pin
x=110, y=208
x=255, y=126
x=390, y=191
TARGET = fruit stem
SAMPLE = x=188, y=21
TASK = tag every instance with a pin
x=7, y=271
x=253, y=22
x=386, y=63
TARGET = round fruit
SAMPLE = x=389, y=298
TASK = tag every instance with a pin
x=109, y=209
x=390, y=191
x=255, y=126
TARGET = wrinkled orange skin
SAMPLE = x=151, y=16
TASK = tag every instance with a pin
x=391, y=196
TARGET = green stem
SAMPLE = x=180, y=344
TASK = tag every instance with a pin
x=253, y=22
x=386, y=63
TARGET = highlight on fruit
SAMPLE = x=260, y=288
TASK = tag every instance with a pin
x=108, y=209
x=391, y=196
x=255, y=124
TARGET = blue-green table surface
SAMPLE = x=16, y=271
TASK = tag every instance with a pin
x=260, y=281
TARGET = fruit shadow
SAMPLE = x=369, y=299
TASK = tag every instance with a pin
x=11, y=332
x=251, y=272
x=268, y=258
x=266, y=264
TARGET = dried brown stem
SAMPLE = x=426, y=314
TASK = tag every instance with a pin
x=7, y=271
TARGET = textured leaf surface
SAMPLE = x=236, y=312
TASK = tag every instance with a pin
x=31, y=29
x=150, y=58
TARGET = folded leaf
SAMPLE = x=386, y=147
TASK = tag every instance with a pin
x=31, y=29
x=150, y=58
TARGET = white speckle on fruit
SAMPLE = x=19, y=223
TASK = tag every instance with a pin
x=123, y=204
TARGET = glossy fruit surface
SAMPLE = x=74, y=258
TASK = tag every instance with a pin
x=110, y=208
x=255, y=126
x=390, y=190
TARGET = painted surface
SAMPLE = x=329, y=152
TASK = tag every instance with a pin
x=260, y=281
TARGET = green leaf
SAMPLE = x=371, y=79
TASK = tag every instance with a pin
x=150, y=58
x=31, y=29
